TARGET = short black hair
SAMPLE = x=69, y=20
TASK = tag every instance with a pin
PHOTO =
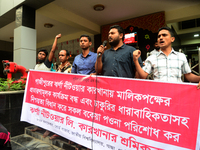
x=168, y=29
x=85, y=35
x=120, y=30
x=44, y=50
x=67, y=52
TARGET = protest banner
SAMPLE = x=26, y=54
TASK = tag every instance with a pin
x=114, y=113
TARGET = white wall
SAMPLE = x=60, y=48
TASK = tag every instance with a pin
x=182, y=14
x=6, y=5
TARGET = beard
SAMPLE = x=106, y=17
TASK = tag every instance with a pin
x=157, y=48
x=40, y=60
x=85, y=48
x=115, y=42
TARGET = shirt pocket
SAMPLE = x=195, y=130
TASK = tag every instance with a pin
x=124, y=67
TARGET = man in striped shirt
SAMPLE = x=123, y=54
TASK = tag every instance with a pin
x=166, y=65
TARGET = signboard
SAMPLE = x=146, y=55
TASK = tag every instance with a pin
x=130, y=38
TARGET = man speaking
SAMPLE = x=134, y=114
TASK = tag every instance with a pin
x=118, y=60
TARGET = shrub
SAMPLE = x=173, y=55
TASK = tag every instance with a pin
x=11, y=85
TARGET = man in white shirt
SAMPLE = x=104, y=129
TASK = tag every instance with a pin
x=45, y=65
x=42, y=62
x=156, y=50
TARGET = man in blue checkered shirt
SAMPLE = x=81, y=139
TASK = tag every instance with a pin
x=84, y=63
x=166, y=65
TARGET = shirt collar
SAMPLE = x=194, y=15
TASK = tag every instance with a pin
x=123, y=46
x=89, y=54
x=173, y=51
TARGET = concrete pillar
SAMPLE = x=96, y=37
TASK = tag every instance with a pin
x=25, y=37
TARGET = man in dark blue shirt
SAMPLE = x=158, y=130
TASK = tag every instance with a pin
x=118, y=60
x=84, y=62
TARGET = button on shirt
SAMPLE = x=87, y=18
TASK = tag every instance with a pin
x=84, y=65
x=167, y=68
x=119, y=63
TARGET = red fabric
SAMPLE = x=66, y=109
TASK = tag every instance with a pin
x=5, y=136
x=131, y=110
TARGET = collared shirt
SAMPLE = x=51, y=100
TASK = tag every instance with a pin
x=84, y=65
x=66, y=69
x=167, y=68
x=119, y=63
x=154, y=52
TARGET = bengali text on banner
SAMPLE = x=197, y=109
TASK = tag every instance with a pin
x=113, y=113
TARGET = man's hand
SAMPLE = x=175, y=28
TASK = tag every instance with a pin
x=100, y=50
x=93, y=74
x=27, y=70
x=136, y=55
x=58, y=36
x=198, y=86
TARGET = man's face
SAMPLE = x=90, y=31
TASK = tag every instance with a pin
x=63, y=56
x=157, y=47
x=84, y=43
x=114, y=37
x=41, y=56
x=165, y=39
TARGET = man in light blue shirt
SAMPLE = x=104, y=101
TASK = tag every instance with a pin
x=84, y=63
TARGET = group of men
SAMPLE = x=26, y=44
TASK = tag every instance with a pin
x=84, y=63
x=122, y=60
